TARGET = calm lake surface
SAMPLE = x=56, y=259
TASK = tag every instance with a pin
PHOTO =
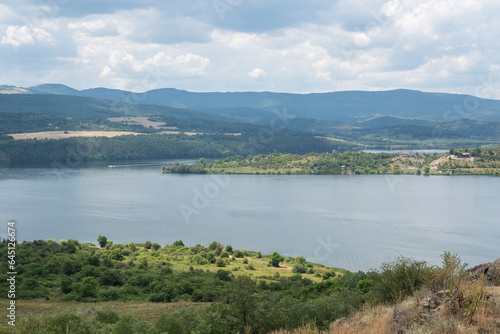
x=354, y=222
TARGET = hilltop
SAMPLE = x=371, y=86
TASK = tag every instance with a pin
x=344, y=106
x=81, y=288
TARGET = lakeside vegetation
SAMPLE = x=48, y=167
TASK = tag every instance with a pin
x=149, y=288
x=476, y=161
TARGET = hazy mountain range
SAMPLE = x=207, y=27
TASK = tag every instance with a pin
x=348, y=106
x=398, y=115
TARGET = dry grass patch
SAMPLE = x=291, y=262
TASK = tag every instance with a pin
x=142, y=310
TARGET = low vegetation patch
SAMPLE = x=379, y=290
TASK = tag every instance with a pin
x=150, y=288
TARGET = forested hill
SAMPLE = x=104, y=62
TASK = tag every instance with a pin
x=345, y=106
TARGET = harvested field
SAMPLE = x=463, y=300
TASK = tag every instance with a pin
x=68, y=134
x=144, y=121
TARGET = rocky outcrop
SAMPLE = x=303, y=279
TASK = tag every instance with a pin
x=490, y=270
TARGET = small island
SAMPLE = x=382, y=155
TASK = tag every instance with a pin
x=477, y=161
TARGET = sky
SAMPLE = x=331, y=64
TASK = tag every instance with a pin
x=291, y=46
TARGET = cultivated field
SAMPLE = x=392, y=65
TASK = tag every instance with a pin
x=68, y=134
x=144, y=121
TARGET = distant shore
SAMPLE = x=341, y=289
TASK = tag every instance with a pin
x=455, y=162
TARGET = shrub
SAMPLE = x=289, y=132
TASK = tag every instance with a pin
x=328, y=274
x=238, y=254
x=250, y=267
x=365, y=285
x=299, y=268
x=276, y=258
x=178, y=243
x=116, y=254
x=107, y=317
x=229, y=249
x=130, y=325
x=223, y=275
x=399, y=278
x=211, y=257
x=89, y=287
x=220, y=263
x=148, y=244
x=67, y=322
x=169, y=324
x=102, y=240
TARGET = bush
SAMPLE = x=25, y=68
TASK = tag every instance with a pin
x=89, y=287
x=250, y=267
x=299, y=268
x=328, y=274
x=116, y=254
x=399, y=278
x=365, y=285
x=67, y=322
x=130, y=325
x=220, y=263
x=169, y=324
x=211, y=257
x=178, y=243
x=229, y=249
x=276, y=258
x=107, y=317
x=238, y=254
x=223, y=275
x=148, y=244
x=102, y=240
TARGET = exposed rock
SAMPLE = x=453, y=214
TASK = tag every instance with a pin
x=490, y=270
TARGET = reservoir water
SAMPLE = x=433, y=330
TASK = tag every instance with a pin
x=354, y=222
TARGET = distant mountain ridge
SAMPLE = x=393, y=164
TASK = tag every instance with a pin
x=343, y=106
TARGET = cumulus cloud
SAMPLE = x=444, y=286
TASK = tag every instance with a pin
x=21, y=35
x=257, y=73
x=289, y=45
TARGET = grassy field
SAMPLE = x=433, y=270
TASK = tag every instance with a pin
x=146, y=311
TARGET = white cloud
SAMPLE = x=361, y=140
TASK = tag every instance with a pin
x=23, y=35
x=99, y=27
x=257, y=73
x=106, y=72
x=181, y=65
x=428, y=44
